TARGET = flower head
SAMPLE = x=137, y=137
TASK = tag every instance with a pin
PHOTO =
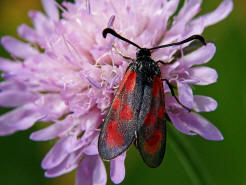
x=66, y=73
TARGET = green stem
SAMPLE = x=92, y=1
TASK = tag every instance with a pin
x=188, y=158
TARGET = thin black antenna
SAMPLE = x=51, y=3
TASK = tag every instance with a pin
x=112, y=32
x=193, y=37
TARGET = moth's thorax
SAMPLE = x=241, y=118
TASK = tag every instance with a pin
x=145, y=66
x=143, y=52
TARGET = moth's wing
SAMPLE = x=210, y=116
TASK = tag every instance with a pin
x=119, y=127
x=151, y=134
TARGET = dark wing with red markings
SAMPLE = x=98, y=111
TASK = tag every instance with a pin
x=120, y=124
x=151, y=135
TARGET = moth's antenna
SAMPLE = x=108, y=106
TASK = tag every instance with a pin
x=193, y=37
x=112, y=32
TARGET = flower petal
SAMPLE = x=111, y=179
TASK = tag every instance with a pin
x=204, y=104
x=189, y=10
x=185, y=94
x=14, y=93
x=117, y=169
x=204, y=75
x=21, y=118
x=28, y=33
x=173, y=110
x=14, y=99
x=190, y=123
x=171, y=7
x=51, y=9
x=51, y=105
x=91, y=171
x=57, y=154
x=89, y=124
x=217, y=15
x=200, y=56
x=181, y=20
x=201, y=126
x=42, y=25
x=53, y=130
x=9, y=66
x=18, y=48
x=179, y=124
x=92, y=149
x=67, y=165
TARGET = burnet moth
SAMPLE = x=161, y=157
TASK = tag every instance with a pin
x=137, y=113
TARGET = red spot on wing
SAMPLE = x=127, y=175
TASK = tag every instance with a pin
x=125, y=78
x=114, y=137
x=150, y=118
x=116, y=103
x=126, y=113
x=156, y=86
x=152, y=144
x=161, y=112
x=131, y=81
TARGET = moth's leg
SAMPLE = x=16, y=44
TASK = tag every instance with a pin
x=159, y=61
x=170, y=61
x=121, y=54
x=173, y=94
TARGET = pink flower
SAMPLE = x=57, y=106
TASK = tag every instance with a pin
x=66, y=73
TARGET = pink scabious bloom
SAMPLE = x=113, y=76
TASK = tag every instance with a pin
x=67, y=73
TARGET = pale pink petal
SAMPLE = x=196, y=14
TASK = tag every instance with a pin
x=185, y=94
x=92, y=149
x=181, y=20
x=167, y=69
x=9, y=66
x=18, y=48
x=205, y=75
x=174, y=110
x=191, y=6
x=53, y=131
x=89, y=125
x=21, y=118
x=117, y=169
x=58, y=153
x=51, y=105
x=171, y=7
x=89, y=135
x=190, y=81
x=200, y=56
x=194, y=29
x=50, y=8
x=201, y=126
x=12, y=85
x=179, y=123
x=204, y=104
x=217, y=15
x=67, y=165
x=28, y=33
x=190, y=123
x=14, y=93
x=41, y=24
x=91, y=171
x=16, y=98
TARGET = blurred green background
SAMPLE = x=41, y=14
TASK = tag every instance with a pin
x=217, y=163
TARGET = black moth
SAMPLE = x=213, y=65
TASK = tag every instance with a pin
x=137, y=112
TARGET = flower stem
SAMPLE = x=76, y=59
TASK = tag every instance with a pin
x=188, y=158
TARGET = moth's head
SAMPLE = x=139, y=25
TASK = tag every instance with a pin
x=143, y=52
